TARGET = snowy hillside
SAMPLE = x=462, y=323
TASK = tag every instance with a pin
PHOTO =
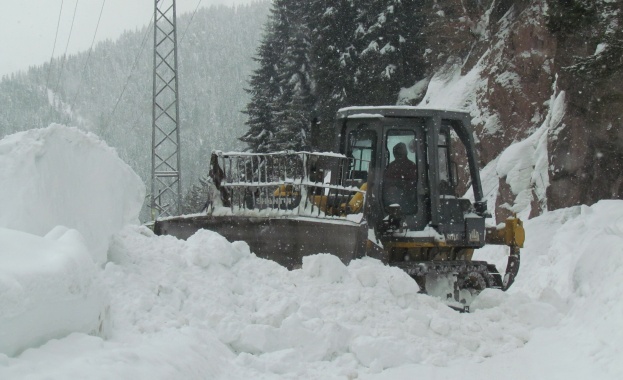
x=112, y=94
x=206, y=308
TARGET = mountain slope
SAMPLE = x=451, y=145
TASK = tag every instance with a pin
x=111, y=96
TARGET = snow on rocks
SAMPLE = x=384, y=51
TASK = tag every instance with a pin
x=63, y=176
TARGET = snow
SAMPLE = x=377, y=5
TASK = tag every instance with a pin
x=398, y=108
x=449, y=89
x=62, y=176
x=414, y=92
x=524, y=164
x=366, y=116
x=48, y=289
x=64, y=195
x=209, y=308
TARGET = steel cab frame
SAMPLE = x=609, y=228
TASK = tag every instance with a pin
x=429, y=133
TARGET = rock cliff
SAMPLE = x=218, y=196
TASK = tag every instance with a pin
x=542, y=81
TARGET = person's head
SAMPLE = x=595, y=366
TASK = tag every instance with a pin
x=400, y=150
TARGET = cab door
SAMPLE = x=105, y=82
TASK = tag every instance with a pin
x=403, y=179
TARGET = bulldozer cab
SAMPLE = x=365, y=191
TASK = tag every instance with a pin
x=411, y=176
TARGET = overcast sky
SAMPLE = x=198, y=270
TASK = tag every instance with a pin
x=28, y=27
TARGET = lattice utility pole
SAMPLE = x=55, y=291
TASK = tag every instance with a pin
x=166, y=190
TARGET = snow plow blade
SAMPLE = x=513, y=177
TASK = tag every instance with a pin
x=284, y=240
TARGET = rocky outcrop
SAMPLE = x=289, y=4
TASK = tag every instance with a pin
x=546, y=72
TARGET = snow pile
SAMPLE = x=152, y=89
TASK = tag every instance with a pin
x=245, y=317
x=573, y=260
x=54, y=179
x=62, y=176
x=48, y=289
x=208, y=308
x=588, y=252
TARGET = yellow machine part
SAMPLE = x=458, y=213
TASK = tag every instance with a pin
x=354, y=204
x=512, y=234
x=284, y=191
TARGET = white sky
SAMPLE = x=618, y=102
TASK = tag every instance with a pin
x=28, y=27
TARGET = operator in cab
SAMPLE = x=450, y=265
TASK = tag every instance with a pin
x=400, y=180
x=401, y=168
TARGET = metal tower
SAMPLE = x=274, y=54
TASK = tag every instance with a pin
x=166, y=190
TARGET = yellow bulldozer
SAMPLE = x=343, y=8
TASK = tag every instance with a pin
x=391, y=189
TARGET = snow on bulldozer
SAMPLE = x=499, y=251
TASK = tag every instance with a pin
x=389, y=190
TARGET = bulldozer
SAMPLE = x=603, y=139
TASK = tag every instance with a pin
x=390, y=188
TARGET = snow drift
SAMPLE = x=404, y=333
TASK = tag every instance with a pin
x=54, y=179
x=208, y=308
x=62, y=176
x=48, y=289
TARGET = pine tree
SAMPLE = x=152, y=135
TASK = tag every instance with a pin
x=386, y=46
x=324, y=55
x=264, y=90
x=296, y=101
x=332, y=55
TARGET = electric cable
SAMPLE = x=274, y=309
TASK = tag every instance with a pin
x=58, y=23
x=191, y=20
x=60, y=74
x=131, y=71
x=86, y=63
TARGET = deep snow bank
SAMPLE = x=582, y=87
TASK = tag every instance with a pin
x=49, y=274
x=208, y=308
x=326, y=320
x=48, y=289
x=63, y=176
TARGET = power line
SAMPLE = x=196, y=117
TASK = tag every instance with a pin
x=47, y=81
x=86, y=63
x=60, y=74
x=131, y=71
x=190, y=22
x=135, y=61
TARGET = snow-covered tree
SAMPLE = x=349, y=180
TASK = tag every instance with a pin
x=330, y=54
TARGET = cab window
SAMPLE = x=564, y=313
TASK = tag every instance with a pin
x=400, y=174
x=361, y=146
x=395, y=137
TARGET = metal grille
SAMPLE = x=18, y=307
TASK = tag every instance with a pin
x=318, y=185
x=165, y=177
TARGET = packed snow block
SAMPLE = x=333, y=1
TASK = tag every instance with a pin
x=63, y=176
x=378, y=353
x=206, y=248
x=325, y=267
x=48, y=289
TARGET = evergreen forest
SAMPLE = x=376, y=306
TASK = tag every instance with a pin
x=317, y=56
